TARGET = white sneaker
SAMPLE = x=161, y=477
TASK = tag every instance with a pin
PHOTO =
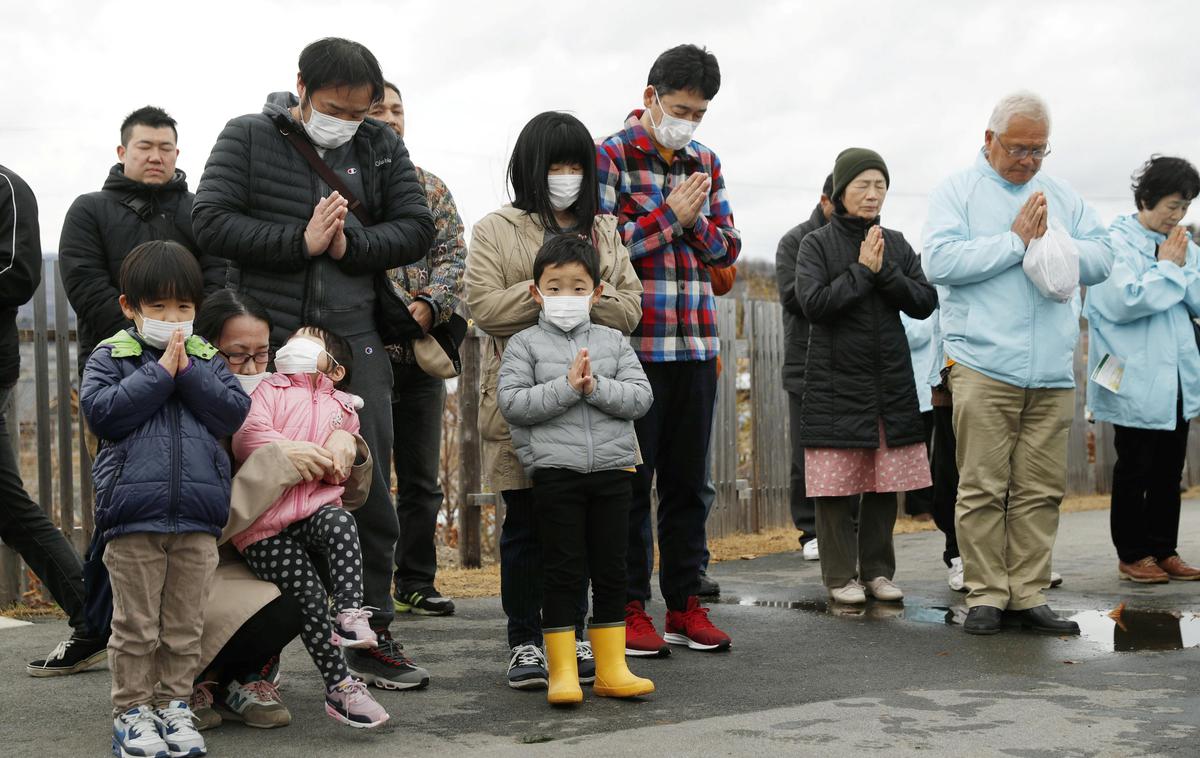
x=850, y=593
x=179, y=731
x=135, y=734
x=955, y=578
x=882, y=588
x=810, y=551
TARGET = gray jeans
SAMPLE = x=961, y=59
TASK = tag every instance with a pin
x=864, y=552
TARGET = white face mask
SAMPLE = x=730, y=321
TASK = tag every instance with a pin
x=567, y=311
x=250, y=382
x=158, y=333
x=564, y=189
x=328, y=132
x=672, y=133
x=300, y=356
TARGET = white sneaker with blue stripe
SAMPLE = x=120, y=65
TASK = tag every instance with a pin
x=136, y=735
x=179, y=731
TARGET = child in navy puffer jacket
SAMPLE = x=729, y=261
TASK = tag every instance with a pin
x=159, y=402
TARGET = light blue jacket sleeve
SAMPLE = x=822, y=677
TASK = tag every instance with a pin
x=1094, y=243
x=1129, y=295
x=951, y=255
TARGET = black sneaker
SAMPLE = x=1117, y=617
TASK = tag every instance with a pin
x=386, y=666
x=708, y=587
x=70, y=657
x=527, y=668
x=585, y=659
x=426, y=602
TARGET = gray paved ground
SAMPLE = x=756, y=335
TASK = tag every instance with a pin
x=798, y=681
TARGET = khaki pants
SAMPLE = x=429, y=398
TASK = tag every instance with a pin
x=160, y=584
x=1011, y=441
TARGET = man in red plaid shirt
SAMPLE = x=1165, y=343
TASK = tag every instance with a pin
x=669, y=195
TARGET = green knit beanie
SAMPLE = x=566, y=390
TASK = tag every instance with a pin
x=853, y=161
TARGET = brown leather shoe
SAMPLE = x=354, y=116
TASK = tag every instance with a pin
x=1176, y=568
x=1145, y=571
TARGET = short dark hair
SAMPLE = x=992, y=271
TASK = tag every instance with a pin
x=1161, y=176
x=161, y=269
x=223, y=305
x=393, y=88
x=147, y=115
x=337, y=346
x=686, y=67
x=337, y=62
x=549, y=138
x=564, y=249
x=827, y=187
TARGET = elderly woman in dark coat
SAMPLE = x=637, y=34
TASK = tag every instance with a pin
x=860, y=422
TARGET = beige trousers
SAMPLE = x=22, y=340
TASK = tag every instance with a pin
x=160, y=584
x=1010, y=442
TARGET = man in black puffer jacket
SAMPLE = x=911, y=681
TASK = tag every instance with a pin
x=300, y=251
x=144, y=198
x=795, y=341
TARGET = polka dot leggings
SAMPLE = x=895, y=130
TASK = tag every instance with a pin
x=284, y=561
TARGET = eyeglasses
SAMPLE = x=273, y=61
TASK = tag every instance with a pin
x=1021, y=153
x=239, y=359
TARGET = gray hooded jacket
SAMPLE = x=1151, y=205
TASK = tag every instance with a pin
x=553, y=425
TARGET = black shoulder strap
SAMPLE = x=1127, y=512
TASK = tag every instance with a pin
x=305, y=148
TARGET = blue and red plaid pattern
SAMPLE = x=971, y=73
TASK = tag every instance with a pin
x=679, y=320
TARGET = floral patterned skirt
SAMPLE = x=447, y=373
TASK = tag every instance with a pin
x=841, y=471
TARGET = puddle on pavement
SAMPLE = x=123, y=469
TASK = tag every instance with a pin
x=1136, y=630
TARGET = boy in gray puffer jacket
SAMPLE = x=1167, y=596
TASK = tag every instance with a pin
x=570, y=391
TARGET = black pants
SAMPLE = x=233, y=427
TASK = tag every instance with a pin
x=521, y=572
x=1144, y=518
x=803, y=508
x=583, y=520
x=944, y=468
x=418, y=401
x=921, y=501
x=283, y=560
x=26, y=528
x=262, y=637
x=674, y=439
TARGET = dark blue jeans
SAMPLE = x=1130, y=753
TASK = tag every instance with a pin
x=674, y=438
x=521, y=577
x=418, y=401
x=26, y=528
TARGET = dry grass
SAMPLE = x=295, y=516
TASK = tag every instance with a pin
x=33, y=613
x=460, y=582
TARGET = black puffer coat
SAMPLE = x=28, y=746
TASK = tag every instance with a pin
x=99, y=231
x=258, y=193
x=859, y=368
x=795, y=326
x=20, y=266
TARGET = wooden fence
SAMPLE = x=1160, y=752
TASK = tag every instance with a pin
x=750, y=445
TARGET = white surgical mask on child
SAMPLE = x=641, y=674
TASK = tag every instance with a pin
x=564, y=189
x=158, y=333
x=300, y=356
x=250, y=382
x=327, y=132
x=566, y=311
x=672, y=133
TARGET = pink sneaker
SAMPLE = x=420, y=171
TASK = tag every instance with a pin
x=350, y=629
x=351, y=703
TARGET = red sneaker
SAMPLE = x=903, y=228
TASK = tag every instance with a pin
x=692, y=628
x=641, y=638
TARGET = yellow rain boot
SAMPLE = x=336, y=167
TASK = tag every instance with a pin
x=613, y=678
x=564, y=671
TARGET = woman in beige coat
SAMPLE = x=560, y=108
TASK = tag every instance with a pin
x=555, y=191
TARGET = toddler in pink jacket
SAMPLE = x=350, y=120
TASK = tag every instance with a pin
x=302, y=402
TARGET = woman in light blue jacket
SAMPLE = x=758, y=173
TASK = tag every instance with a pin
x=1144, y=367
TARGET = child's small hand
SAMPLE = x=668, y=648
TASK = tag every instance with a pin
x=589, y=381
x=173, y=353
x=575, y=374
x=183, y=356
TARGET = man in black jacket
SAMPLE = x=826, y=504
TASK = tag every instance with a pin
x=24, y=526
x=301, y=249
x=144, y=198
x=795, y=330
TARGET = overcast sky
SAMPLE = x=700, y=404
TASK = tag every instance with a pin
x=914, y=80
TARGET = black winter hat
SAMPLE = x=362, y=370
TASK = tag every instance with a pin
x=853, y=161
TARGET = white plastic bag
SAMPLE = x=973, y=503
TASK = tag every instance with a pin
x=1052, y=263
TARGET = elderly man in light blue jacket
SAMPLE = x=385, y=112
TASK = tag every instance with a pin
x=1012, y=348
